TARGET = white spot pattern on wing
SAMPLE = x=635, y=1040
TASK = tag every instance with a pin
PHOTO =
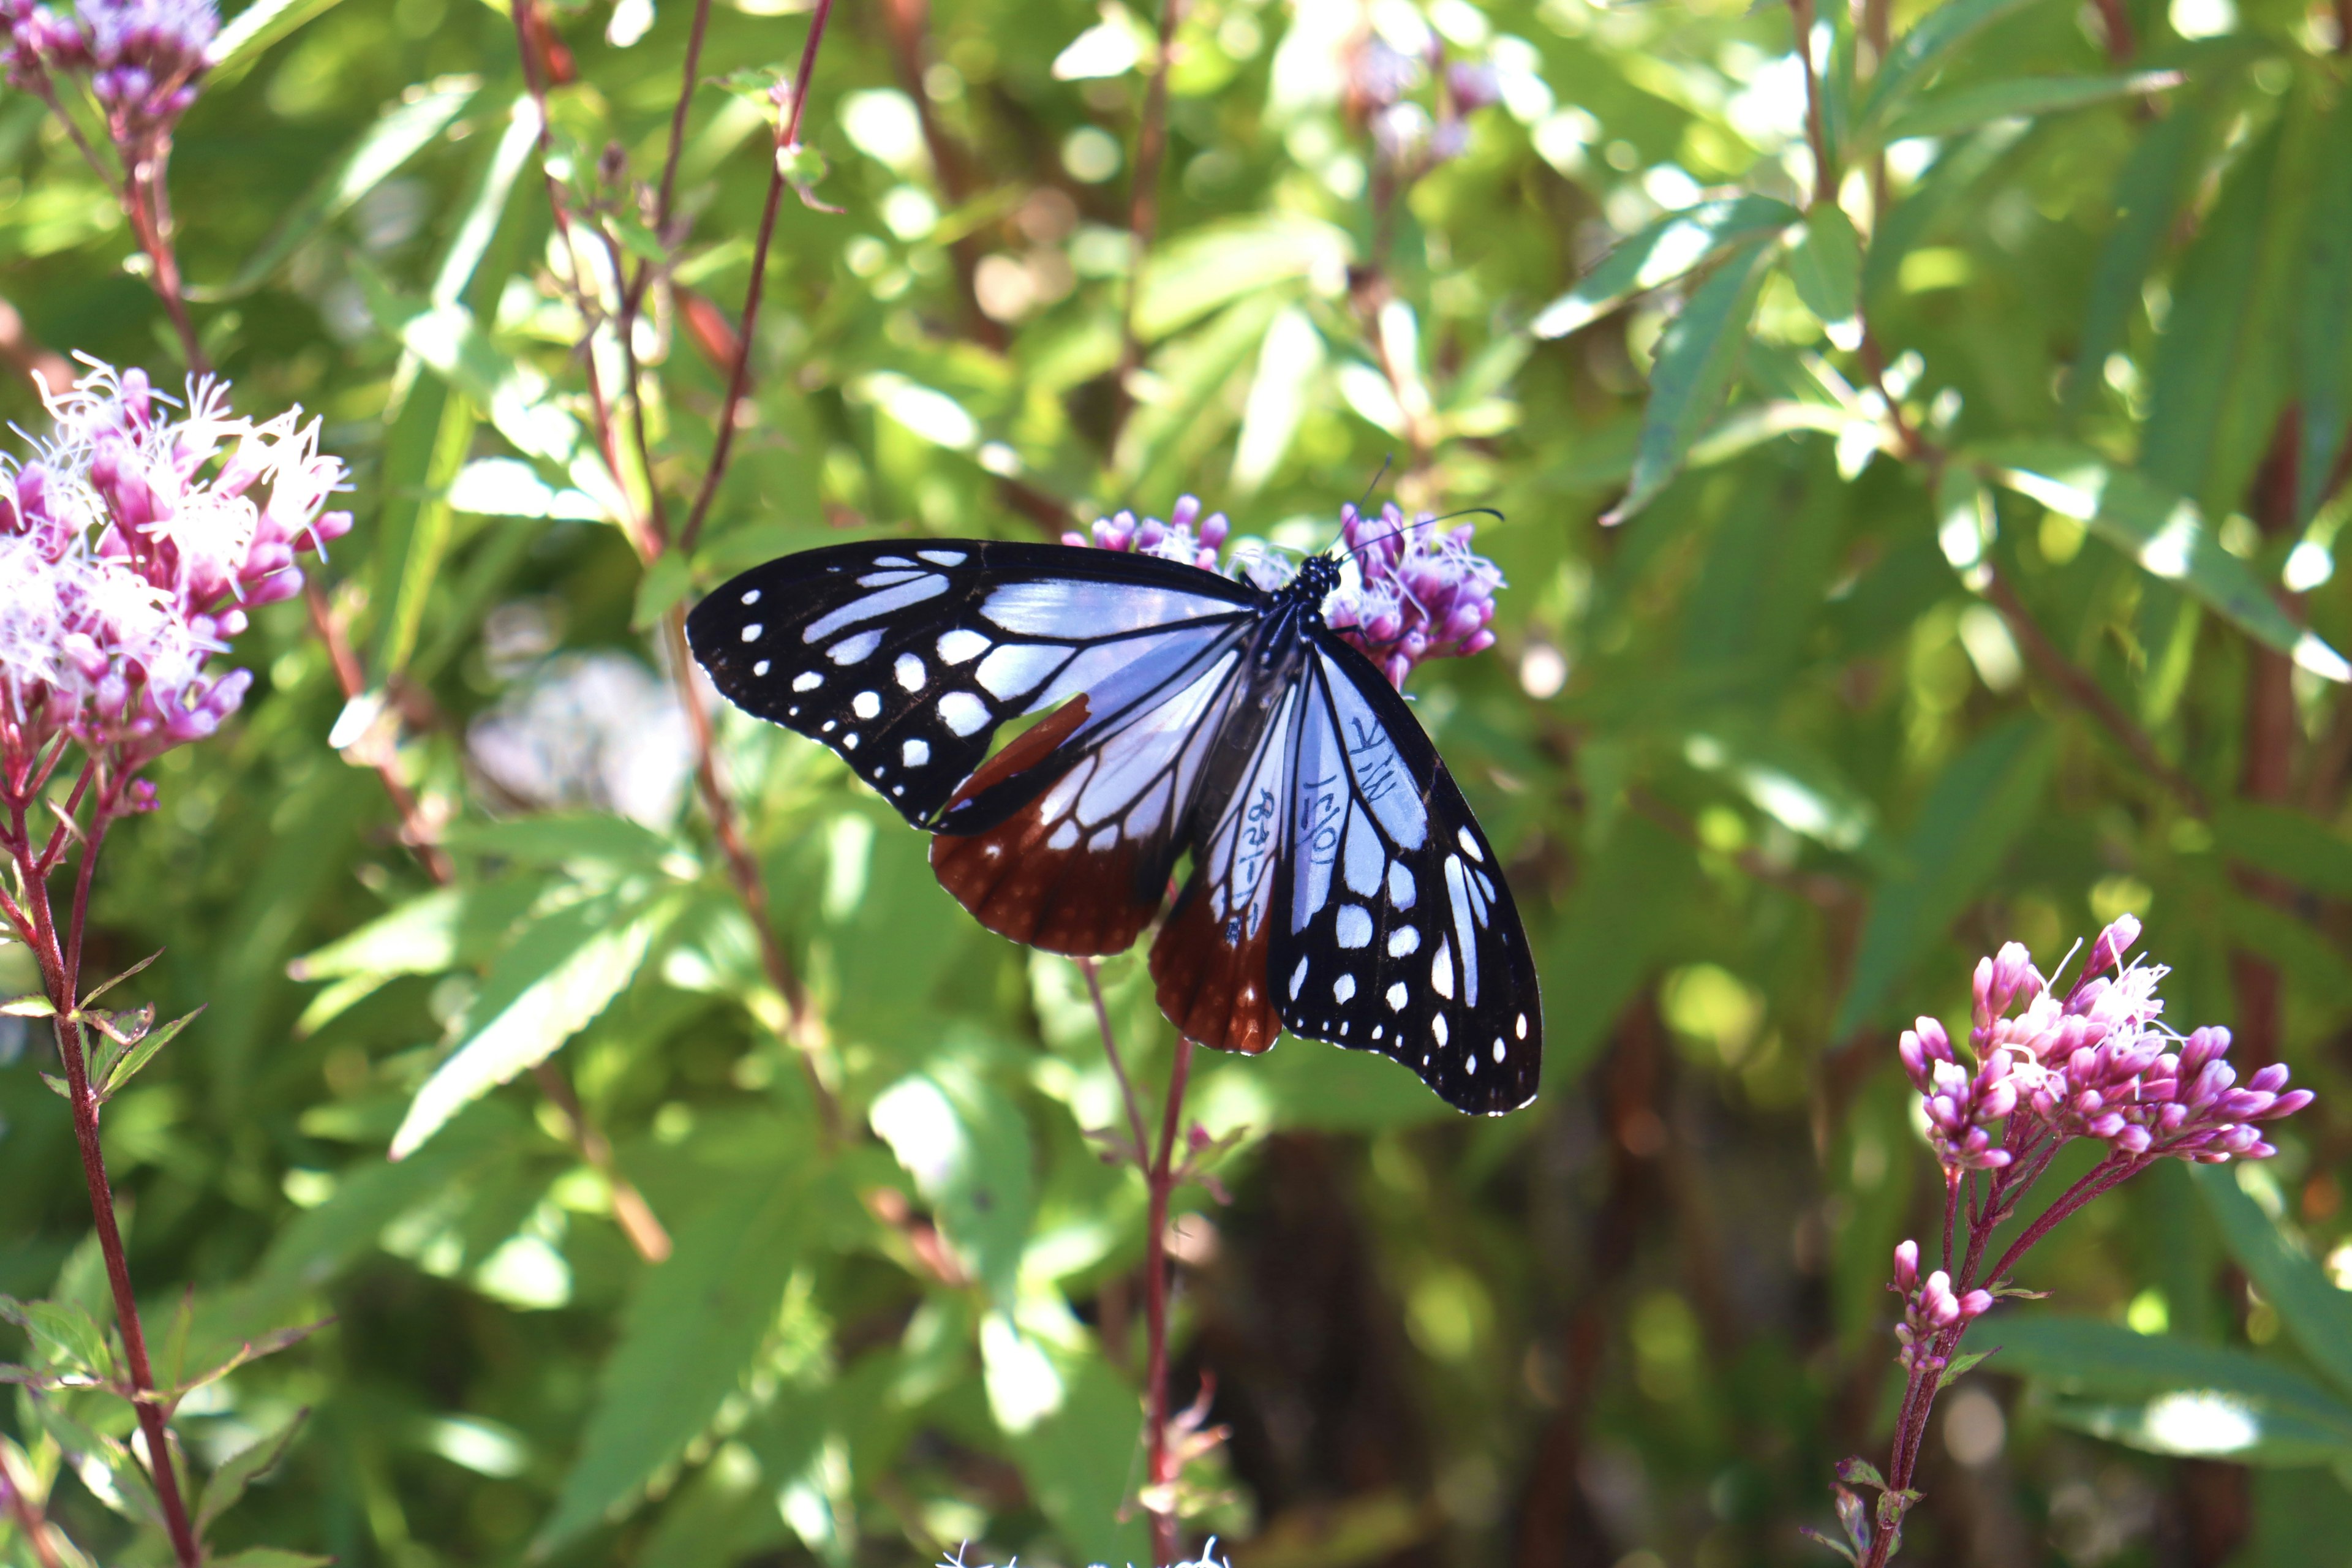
x=942, y=557
x=962, y=713
x=855, y=648
x=1344, y=989
x=752, y=632
x=915, y=753
x=962, y=644
x=865, y=607
x=866, y=704
x=1352, y=927
x=910, y=672
x=1402, y=941
x=1074, y=609
x=807, y=680
x=1012, y=668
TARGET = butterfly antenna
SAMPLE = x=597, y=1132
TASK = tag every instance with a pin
x=1449, y=517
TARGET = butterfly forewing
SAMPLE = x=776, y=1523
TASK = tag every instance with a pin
x=906, y=657
x=1396, y=932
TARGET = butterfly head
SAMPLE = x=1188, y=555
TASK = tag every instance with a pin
x=1316, y=577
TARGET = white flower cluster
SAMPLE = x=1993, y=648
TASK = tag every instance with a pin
x=125, y=567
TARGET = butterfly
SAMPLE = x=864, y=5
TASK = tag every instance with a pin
x=1338, y=885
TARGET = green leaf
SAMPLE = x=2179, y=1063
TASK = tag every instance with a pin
x=269, y=1557
x=1674, y=246
x=428, y=446
x=968, y=1149
x=66, y=1339
x=1920, y=53
x=2020, y=98
x=244, y=1467
x=666, y=582
x=517, y=397
x=2323, y=329
x=2148, y=194
x=579, y=841
x=471, y=239
x=243, y=38
x=403, y=130
x=561, y=970
x=689, y=1337
x=2286, y=843
x=2166, y=534
x=1826, y=264
x=1217, y=263
x=2317, y=1314
x=1289, y=362
x=1697, y=356
x=1959, y=1367
x=123, y=1071
x=1963, y=833
x=1079, y=1464
x=32, y=1007
x=1788, y=781
x=1629, y=901
x=420, y=937
x=2170, y=1395
x=2222, y=369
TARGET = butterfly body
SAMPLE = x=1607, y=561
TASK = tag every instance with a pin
x=1338, y=883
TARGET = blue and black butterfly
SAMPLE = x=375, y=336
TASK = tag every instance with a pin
x=1338, y=885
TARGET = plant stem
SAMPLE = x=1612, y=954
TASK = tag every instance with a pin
x=800, y=1028
x=1801, y=15
x=788, y=139
x=1143, y=201
x=1159, y=1469
x=634, y=1215
x=60, y=964
x=1117, y=1063
x=27, y=1513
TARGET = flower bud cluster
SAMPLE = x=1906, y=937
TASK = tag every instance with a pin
x=1174, y=539
x=141, y=58
x=2097, y=1064
x=1408, y=139
x=125, y=567
x=1930, y=1306
x=1419, y=591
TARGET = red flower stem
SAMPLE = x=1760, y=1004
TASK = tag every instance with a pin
x=58, y=976
x=788, y=139
x=1143, y=201
x=2105, y=1178
x=1953, y=1180
x=1158, y=1469
x=606, y=441
x=63, y=834
x=27, y=1514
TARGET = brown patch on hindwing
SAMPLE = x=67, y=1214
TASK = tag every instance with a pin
x=1213, y=990
x=1072, y=899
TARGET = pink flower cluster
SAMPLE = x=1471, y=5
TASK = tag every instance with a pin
x=2096, y=1064
x=1407, y=140
x=124, y=567
x=142, y=58
x=1929, y=1306
x=1420, y=593
x=1175, y=539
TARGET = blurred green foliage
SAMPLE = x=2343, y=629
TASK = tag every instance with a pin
x=2008, y=611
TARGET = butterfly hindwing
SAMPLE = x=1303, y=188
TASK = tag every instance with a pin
x=1209, y=963
x=1103, y=787
x=1394, y=928
x=905, y=657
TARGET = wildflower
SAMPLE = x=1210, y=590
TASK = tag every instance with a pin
x=1174, y=539
x=1420, y=593
x=142, y=59
x=125, y=568
x=1930, y=1306
x=2098, y=1064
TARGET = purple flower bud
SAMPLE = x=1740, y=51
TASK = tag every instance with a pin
x=1474, y=85
x=1907, y=1265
